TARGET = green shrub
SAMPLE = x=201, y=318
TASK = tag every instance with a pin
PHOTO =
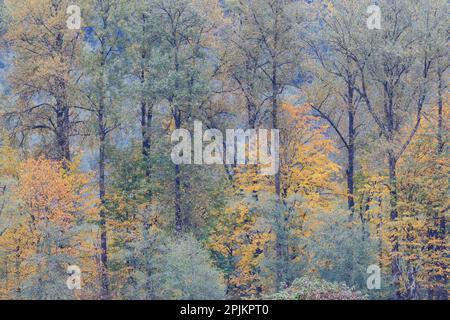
x=312, y=288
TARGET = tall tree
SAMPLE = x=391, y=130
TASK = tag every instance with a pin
x=183, y=34
x=394, y=82
x=140, y=27
x=333, y=95
x=269, y=29
x=103, y=94
x=45, y=72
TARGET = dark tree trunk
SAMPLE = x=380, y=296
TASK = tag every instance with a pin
x=279, y=241
x=178, y=217
x=278, y=244
x=440, y=293
x=395, y=260
x=380, y=231
x=351, y=143
x=351, y=164
x=275, y=122
x=102, y=193
x=351, y=170
x=146, y=108
x=17, y=271
x=178, y=211
x=66, y=148
x=351, y=146
x=350, y=174
x=62, y=111
x=62, y=131
x=251, y=115
x=146, y=125
x=441, y=130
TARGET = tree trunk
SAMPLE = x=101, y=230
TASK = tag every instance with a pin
x=380, y=231
x=395, y=260
x=146, y=109
x=66, y=148
x=102, y=193
x=441, y=130
x=278, y=242
x=275, y=126
x=147, y=263
x=178, y=218
x=351, y=159
x=62, y=134
x=178, y=214
x=350, y=173
x=442, y=292
x=62, y=110
x=146, y=124
x=17, y=272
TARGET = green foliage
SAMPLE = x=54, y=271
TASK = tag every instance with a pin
x=339, y=250
x=306, y=288
x=185, y=271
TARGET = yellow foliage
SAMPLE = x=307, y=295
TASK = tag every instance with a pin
x=49, y=197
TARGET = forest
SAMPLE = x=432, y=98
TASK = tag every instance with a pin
x=97, y=96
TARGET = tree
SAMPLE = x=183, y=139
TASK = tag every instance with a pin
x=239, y=240
x=105, y=18
x=140, y=26
x=394, y=75
x=181, y=59
x=338, y=253
x=259, y=241
x=45, y=73
x=268, y=41
x=423, y=204
x=41, y=242
x=308, y=186
x=333, y=95
x=186, y=272
x=269, y=31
